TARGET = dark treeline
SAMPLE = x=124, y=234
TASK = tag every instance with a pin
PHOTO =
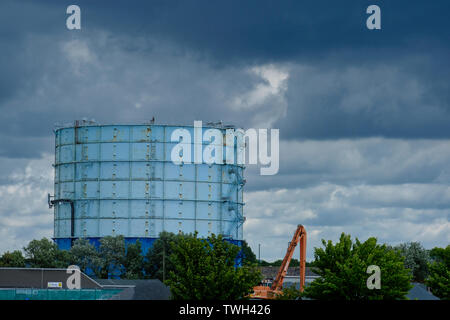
x=193, y=267
x=114, y=258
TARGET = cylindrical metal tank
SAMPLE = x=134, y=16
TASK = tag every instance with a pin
x=120, y=180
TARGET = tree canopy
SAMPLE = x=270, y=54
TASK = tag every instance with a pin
x=248, y=257
x=44, y=253
x=439, y=269
x=12, y=259
x=134, y=261
x=206, y=269
x=156, y=261
x=416, y=259
x=85, y=255
x=112, y=253
x=342, y=269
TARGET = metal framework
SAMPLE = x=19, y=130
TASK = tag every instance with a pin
x=266, y=292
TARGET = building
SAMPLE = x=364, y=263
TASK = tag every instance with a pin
x=292, y=275
x=51, y=284
x=121, y=180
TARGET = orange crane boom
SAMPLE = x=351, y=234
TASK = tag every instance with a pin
x=265, y=292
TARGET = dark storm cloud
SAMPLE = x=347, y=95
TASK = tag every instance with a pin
x=363, y=115
x=97, y=77
x=344, y=80
x=182, y=62
x=24, y=146
x=268, y=30
x=385, y=98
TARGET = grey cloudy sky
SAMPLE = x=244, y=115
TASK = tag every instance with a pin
x=363, y=115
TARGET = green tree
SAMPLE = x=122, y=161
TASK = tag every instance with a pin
x=205, y=269
x=248, y=257
x=156, y=261
x=264, y=263
x=278, y=263
x=289, y=293
x=416, y=259
x=294, y=263
x=45, y=254
x=134, y=261
x=12, y=259
x=112, y=254
x=439, y=279
x=342, y=270
x=85, y=255
x=63, y=258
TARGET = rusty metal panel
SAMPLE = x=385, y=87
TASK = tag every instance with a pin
x=118, y=133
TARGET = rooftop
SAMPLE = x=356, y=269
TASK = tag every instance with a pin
x=151, y=289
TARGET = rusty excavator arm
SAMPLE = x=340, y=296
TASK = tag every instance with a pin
x=265, y=292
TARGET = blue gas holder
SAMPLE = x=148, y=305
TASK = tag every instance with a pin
x=120, y=180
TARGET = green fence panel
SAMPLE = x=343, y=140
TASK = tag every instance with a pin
x=7, y=295
x=57, y=294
